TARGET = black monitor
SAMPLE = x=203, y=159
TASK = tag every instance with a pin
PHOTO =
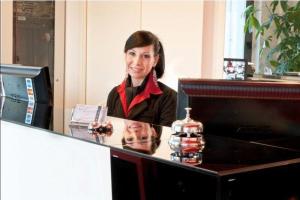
x=27, y=83
x=254, y=109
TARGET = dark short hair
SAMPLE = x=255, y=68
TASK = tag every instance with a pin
x=155, y=142
x=146, y=38
x=154, y=145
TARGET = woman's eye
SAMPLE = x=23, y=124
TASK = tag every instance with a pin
x=131, y=53
x=129, y=139
x=144, y=137
x=146, y=56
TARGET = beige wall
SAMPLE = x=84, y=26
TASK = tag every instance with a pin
x=6, y=28
x=179, y=25
x=59, y=66
x=213, y=39
x=89, y=54
x=75, y=56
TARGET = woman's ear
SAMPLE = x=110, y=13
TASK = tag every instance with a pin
x=126, y=68
x=154, y=134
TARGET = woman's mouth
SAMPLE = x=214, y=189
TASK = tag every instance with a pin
x=135, y=125
x=136, y=69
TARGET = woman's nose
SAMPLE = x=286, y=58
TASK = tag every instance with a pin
x=137, y=60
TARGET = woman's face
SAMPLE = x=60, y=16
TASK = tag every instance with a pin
x=137, y=132
x=138, y=135
x=140, y=61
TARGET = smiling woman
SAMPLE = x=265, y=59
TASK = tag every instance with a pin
x=140, y=96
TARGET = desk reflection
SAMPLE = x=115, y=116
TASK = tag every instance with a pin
x=26, y=112
x=141, y=137
x=132, y=135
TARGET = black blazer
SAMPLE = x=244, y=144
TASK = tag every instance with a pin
x=158, y=109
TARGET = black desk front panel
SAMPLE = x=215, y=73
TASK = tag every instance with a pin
x=230, y=169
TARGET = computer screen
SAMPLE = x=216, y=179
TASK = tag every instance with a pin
x=27, y=83
x=230, y=107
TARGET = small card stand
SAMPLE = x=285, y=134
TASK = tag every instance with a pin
x=84, y=114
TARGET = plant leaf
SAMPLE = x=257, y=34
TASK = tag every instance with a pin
x=254, y=22
x=278, y=33
x=281, y=68
x=281, y=42
x=274, y=5
x=246, y=26
x=297, y=5
x=261, y=52
x=274, y=63
x=267, y=44
x=249, y=10
x=276, y=21
x=284, y=5
x=267, y=23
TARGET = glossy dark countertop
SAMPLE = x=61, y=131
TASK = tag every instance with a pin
x=221, y=156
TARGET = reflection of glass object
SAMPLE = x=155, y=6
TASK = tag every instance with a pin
x=82, y=132
x=191, y=158
x=141, y=137
x=103, y=114
x=267, y=71
x=100, y=131
x=99, y=138
x=100, y=128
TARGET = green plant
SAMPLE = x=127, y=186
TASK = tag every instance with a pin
x=280, y=34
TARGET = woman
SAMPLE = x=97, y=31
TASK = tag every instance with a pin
x=140, y=96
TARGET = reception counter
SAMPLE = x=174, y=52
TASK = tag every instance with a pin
x=40, y=164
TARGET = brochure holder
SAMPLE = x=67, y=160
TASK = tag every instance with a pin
x=85, y=114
